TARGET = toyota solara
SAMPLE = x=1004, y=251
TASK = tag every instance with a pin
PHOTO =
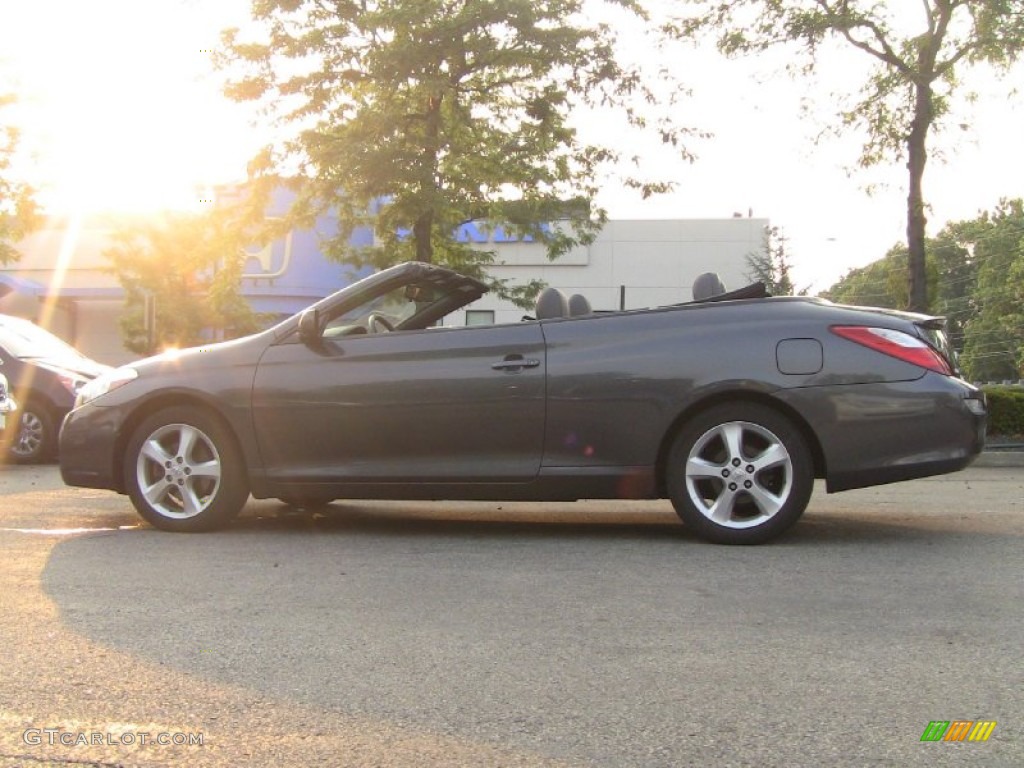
x=729, y=405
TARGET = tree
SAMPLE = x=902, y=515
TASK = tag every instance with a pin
x=910, y=86
x=976, y=279
x=994, y=333
x=419, y=117
x=771, y=265
x=189, y=265
x=953, y=273
x=879, y=284
x=18, y=212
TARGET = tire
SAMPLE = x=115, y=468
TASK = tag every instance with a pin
x=34, y=436
x=184, y=472
x=739, y=473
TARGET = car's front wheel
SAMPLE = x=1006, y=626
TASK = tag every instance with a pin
x=184, y=472
x=739, y=474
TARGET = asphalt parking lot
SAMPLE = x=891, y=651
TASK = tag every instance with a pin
x=586, y=634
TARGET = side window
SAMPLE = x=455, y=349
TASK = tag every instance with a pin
x=479, y=317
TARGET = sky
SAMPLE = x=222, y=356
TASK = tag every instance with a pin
x=119, y=107
x=120, y=110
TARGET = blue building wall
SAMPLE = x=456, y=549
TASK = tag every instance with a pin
x=292, y=272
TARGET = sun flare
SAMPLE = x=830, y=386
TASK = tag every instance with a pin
x=117, y=105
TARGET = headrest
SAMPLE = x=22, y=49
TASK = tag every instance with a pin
x=578, y=305
x=707, y=285
x=551, y=303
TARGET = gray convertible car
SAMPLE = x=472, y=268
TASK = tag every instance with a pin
x=729, y=406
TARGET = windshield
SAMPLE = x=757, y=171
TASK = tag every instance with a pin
x=394, y=306
x=406, y=307
x=26, y=340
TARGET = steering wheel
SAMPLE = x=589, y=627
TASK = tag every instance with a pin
x=377, y=323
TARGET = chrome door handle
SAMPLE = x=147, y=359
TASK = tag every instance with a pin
x=515, y=363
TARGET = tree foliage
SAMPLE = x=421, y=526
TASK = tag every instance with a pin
x=418, y=117
x=190, y=266
x=976, y=281
x=18, y=211
x=994, y=334
x=771, y=265
x=881, y=283
x=916, y=52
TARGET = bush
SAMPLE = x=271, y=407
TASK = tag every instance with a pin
x=1005, y=411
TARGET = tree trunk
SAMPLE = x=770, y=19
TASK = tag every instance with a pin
x=421, y=231
x=917, y=156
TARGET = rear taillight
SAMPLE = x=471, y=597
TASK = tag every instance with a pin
x=902, y=346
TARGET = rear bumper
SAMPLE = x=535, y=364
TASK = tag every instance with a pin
x=877, y=433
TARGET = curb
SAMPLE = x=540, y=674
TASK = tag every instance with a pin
x=999, y=459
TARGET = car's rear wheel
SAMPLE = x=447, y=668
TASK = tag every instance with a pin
x=184, y=472
x=34, y=438
x=739, y=474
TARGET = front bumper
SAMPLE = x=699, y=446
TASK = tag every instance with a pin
x=89, y=448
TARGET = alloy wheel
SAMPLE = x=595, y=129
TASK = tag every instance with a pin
x=31, y=433
x=178, y=471
x=739, y=474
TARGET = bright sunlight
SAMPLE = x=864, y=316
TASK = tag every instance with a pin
x=118, y=107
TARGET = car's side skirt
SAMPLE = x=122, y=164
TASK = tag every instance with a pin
x=552, y=484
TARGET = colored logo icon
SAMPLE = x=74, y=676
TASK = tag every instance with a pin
x=958, y=730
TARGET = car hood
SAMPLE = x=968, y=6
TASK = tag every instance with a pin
x=79, y=366
x=234, y=352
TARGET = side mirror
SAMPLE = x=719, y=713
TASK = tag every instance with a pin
x=309, y=328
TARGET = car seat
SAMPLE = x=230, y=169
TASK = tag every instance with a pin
x=707, y=285
x=579, y=305
x=551, y=304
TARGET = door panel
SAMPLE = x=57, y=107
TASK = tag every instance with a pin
x=444, y=404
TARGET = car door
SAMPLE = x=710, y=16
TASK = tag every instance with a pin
x=435, y=405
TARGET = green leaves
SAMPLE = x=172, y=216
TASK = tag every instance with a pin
x=994, y=336
x=975, y=275
x=190, y=265
x=419, y=116
x=912, y=56
x=771, y=265
x=19, y=214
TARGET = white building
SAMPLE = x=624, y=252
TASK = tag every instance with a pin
x=631, y=264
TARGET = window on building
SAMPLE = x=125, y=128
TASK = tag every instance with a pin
x=479, y=317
